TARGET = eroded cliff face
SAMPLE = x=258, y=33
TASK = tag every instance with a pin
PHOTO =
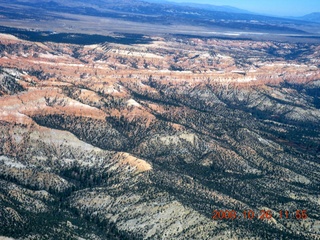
x=144, y=141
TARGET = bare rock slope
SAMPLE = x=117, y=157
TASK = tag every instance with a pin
x=144, y=141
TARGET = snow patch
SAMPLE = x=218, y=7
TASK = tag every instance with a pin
x=132, y=102
x=11, y=163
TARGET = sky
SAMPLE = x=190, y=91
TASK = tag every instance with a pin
x=271, y=7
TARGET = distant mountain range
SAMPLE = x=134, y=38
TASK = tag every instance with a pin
x=216, y=8
x=210, y=7
x=312, y=17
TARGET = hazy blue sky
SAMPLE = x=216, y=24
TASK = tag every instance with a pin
x=275, y=7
